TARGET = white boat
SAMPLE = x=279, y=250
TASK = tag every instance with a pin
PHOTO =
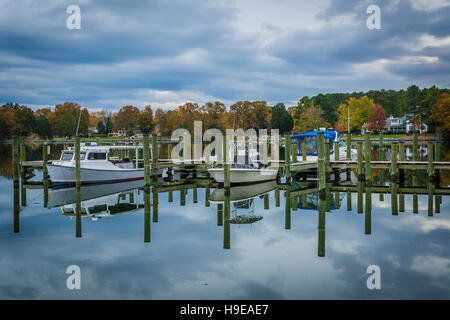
x=96, y=167
x=245, y=168
x=310, y=138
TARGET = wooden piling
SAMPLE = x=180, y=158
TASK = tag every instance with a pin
x=78, y=187
x=430, y=184
x=15, y=160
x=287, y=157
x=155, y=203
x=23, y=190
x=394, y=179
x=147, y=211
x=226, y=222
x=195, y=197
x=226, y=164
x=145, y=154
x=321, y=162
x=304, y=152
x=294, y=150
x=155, y=156
x=170, y=196
x=45, y=173
x=402, y=177
x=349, y=200
x=266, y=201
x=287, y=212
x=277, y=198
x=220, y=214
x=359, y=159
x=207, y=190
x=321, y=226
x=367, y=159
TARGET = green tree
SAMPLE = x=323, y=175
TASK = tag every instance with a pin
x=281, y=119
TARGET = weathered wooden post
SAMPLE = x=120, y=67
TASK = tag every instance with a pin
x=367, y=159
x=368, y=216
x=16, y=208
x=195, y=197
x=207, y=190
x=226, y=223
x=169, y=151
x=15, y=160
x=437, y=157
x=337, y=200
x=266, y=201
x=380, y=158
x=336, y=158
x=220, y=214
x=45, y=173
x=23, y=190
x=327, y=162
x=78, y=187
x=226, y=165
x=304, y=152
x=394, y=178
x=182, y=197
x=368, y=178
x=415, y=147
x=287, y=157
x=170, y=196
x=430, y=171
x=294, y=150
x=155, y=156
x=97, y=140
x=145, y=154
x=401, y=177
x=147, y=224
x=321, y=162
x=349, y=200
x=155, y=203
x=321, y=226
x=287, y=212
x=360, y=177
x=277, y=197
x=360, y=168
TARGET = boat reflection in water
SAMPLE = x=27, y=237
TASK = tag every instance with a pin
x=98, y=201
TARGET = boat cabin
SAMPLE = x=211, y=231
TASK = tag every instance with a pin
x=310, y=138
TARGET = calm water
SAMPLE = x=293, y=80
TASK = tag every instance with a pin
x=186, y=258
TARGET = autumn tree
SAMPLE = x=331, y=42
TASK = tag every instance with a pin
x=126, y=118
x=377, y=119
x=64, y=120
x=312, y=118
x=145, y=120
x=360, y=109
x=213, y=115
x=441, y=114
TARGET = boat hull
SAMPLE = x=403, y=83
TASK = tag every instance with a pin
x=244, y=176
x=65, y=175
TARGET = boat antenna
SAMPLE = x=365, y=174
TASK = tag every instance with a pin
x=78, y=125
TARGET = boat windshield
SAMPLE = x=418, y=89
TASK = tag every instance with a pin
x=97, y=156
x=67, y=156
x=311, y=144
x=342, y=143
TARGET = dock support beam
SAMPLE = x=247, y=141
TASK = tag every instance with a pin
x=430, y=179
x=394, y=179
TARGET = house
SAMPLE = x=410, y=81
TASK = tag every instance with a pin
x=396, y=124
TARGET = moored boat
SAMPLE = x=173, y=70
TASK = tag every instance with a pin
x=96, y=167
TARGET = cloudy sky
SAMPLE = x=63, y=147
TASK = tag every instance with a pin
x=167, y=52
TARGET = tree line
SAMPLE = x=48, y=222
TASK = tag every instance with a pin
x=431, y=105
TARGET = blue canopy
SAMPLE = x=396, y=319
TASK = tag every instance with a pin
x=310, y=138
x=326, y=134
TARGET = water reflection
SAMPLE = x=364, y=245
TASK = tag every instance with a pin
x=268, y=225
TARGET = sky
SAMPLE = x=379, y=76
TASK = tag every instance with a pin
x=165, y=53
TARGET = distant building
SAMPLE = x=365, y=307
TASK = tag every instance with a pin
x=405, y=124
